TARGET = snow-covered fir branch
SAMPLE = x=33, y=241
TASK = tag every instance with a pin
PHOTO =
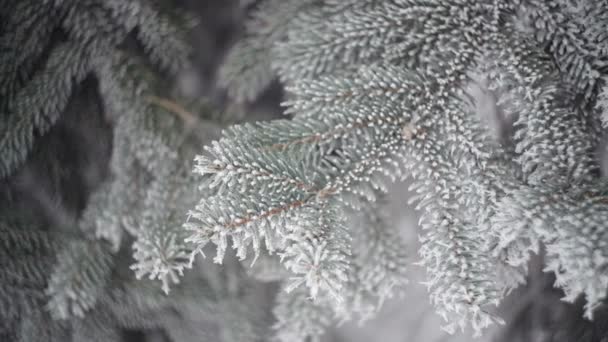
x=102, y=267
x=378, y=91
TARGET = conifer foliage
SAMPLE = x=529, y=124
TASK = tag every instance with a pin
x=379, y=91
x=80, y=279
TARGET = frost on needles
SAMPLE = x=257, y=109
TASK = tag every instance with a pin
x=81, y=280
x=378, y=91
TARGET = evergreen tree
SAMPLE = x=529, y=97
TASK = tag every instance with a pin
x=77, y=278
x=493, y=110
x=388, y=90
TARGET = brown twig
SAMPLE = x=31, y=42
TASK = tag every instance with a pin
x=175, y=108
x=315, y=138
x=274, y=211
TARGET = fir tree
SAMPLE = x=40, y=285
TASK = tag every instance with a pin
x=377, y=91
x=79, y=278
x=381, y=91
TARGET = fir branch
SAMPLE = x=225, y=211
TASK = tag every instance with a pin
x=379, y=265
x=247, y=70
x=577, y=55
x=25, y=36
x=552, y=133
x=308, y=322
x=39, y=104
x=163, y=41
x=78, y=279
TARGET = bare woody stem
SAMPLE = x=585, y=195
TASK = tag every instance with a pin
x=318, y=138
x=175, y=108
x=322, y=193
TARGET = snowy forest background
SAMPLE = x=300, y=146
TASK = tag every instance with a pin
x=70, y=160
